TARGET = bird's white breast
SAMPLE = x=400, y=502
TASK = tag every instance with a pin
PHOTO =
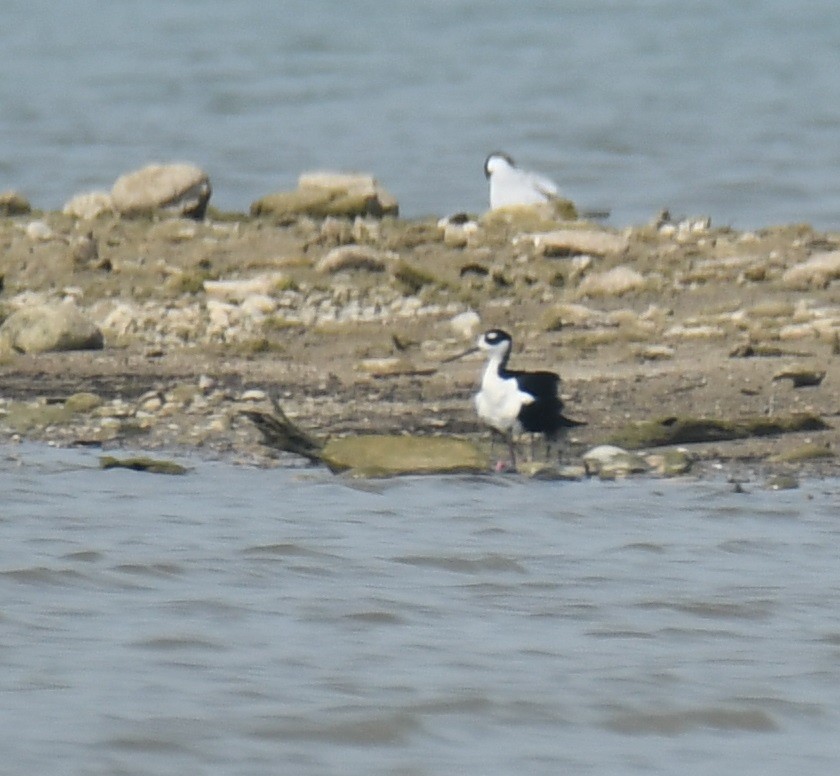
x=512, y=186
x=499, y=400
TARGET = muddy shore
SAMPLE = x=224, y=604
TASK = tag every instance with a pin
x=347, y=323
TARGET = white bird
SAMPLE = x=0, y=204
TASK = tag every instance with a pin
x=510, y=185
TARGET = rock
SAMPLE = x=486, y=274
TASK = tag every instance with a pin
x=614, y=282
x=84, y=250
x=807, y=452
x=89, y=205
x=576, y=242
x=685, y=430
x=801, y=376
x=324, y=194
x=670, y=463
x=542, y=470
x=240, y=289
x=83, y=401
x=354, y=257
x=39, y=231
x=253, y=394
x=14, y=204
x=177, y=189
x=42, y=328
x=528, y=218
x=390, y=366
x=654, y=353
x=458, y=230
x=566, y=315
x=142, y=464
x=816, y=272
x=465, y=325
x=390, y=455
x=610, y=461
x=782, y=482
x=25, y=417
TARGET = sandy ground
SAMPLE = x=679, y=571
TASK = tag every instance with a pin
x=713, y=317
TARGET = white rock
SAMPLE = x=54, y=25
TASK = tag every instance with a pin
x=253, y=394
x=353, y=257
x=182, y=189
x=42, y=328
x=39, y=231
x=89, y=205
x=614, y=282
x=237, y=290
x=257, y=305
x=817, y=271
x=573, y=242
x=465, y=325
x=612, y=461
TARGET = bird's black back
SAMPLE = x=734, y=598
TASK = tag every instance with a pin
x=545, y=414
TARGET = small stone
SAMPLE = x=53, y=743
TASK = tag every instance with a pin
x=670, y=463
x=253, y=394
x=14, y=204
x=386, y=367
x=465, y=325
x=614, y=282
x=39, y=231
x=800, y=376
x=655, y=353
x=206, y=383
x=89, y=205
x=83, y=401
x=609, y=461
x=355, y=257
x=782, y=482
x=542, y=470
x=576, y=242
x=239, y=290
x=84, y=250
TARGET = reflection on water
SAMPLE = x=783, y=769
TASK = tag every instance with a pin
x=247, y=621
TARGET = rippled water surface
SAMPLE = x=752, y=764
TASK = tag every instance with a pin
x=725, y=108
x=243, y=621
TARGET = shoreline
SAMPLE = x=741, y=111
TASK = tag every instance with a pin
x=347, y=322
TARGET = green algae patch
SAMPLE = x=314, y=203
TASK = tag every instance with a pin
x=83, y=401
x=384, y=455
x=807, y=452
x=142, y=464
x=25, y=417
x=686, y=430
x=370, y=455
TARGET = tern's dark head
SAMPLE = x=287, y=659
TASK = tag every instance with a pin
x=498, y=160
x=495, y=342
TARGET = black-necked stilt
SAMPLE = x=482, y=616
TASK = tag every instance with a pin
x=510, y=185
x=511, y=401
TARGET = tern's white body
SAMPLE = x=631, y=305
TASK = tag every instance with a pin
x=511, y=186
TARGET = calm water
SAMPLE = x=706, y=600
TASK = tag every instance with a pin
x=240, y=621
x=722, y=107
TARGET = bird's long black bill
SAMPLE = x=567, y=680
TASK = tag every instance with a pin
x=457, y=356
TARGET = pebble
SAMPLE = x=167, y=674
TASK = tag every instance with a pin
x=39, y=231
x=253, y=394
x=465, y=325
